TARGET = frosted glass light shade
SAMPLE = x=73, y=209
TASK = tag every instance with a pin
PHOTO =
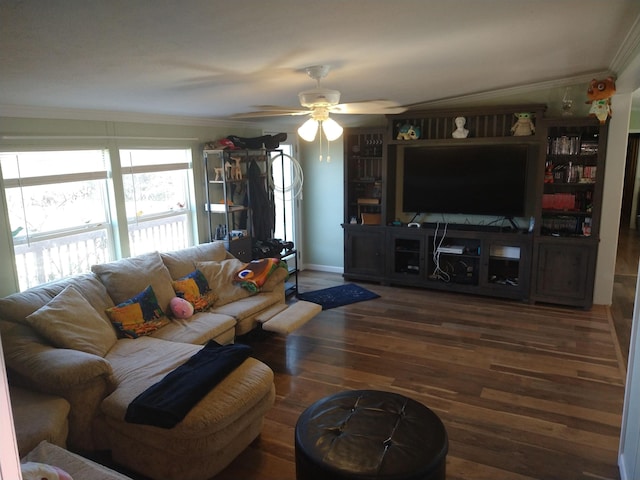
x=332, y=130
x=308, y=130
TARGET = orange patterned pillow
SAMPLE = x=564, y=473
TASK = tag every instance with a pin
x=194, y=288
x=140, y=315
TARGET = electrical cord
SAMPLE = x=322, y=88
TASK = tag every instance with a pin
x=438, y=272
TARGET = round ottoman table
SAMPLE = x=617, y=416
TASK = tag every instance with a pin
x=370, y=434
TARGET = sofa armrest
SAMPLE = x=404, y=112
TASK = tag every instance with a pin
x=276, y=280
x=47, y=368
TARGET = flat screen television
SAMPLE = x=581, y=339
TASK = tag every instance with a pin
x=472, y=180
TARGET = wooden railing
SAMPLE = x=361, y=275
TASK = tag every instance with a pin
x=161, y=234
x=42, y=259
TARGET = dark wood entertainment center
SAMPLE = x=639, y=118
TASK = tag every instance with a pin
x=549, y=255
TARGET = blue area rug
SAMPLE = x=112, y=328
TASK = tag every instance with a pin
x=338, y=296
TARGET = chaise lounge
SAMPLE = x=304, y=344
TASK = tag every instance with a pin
x=59, y=340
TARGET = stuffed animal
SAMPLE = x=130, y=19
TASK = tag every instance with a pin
x=408, y=132
x=181, y=308
x=524, y=125
x=42, y=471
x=236, y=170
x=599, y=94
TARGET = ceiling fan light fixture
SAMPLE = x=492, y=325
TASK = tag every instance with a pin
x=332, y=129
x=308, y=130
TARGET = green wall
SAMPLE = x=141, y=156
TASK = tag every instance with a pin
x=634, y=122
x=322, y=206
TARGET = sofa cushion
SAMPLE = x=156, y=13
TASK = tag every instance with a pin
x=229, y=400
x=182, y=262
x=246, y=307
x=138, y=315
x=69, y=321
x=16, y=307
x=198, y=329
x=127, y=277
x=78, y=467
x=194, y=288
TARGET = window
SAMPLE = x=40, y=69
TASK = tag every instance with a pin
x=58, y=215
x=287, y=185
x=61, y=206
x=157, y=198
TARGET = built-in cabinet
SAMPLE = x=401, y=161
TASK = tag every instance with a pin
x=482, y=262
x=365, y=252
x=365, y=174
x=549, y=258
x=567, y=235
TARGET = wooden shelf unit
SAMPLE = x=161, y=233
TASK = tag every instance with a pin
x=549, y=262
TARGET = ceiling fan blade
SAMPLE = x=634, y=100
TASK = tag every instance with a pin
x=370, y=107
x=283, y=112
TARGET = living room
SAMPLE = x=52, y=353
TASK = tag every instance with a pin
x=29, y=121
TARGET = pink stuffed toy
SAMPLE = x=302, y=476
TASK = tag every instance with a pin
x=42, y=471
x=181, y=308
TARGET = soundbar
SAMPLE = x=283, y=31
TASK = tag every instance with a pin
x=457, y=249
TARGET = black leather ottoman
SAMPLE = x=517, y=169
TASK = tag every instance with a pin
x=369, y=434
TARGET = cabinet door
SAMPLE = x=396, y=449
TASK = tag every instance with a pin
x=506, y=266
x=406, y=262
x=565, y=273
x=364, y=252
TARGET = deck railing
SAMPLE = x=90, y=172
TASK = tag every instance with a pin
x=42, y=259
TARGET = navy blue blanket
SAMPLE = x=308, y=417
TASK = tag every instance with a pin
x=167, y=402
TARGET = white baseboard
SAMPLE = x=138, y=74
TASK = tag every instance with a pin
x=621, y=467
x=324, y=268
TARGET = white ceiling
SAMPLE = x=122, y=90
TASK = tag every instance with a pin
x=214, y=58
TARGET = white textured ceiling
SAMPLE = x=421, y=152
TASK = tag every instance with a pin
x=213, y=58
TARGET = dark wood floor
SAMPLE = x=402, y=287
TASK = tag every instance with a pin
x=624, y=286
x=525, y=391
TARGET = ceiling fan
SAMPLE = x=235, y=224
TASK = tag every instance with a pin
x=319, y=102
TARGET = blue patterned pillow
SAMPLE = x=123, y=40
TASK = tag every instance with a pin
x=139, y=315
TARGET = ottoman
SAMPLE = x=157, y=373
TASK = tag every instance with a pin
x=370, y=434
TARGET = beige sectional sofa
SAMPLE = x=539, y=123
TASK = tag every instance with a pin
x=58, y=340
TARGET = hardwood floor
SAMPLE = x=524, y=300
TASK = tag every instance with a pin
x=525, y=391
x=624, y=286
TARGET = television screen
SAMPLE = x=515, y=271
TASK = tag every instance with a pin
x=472, y=180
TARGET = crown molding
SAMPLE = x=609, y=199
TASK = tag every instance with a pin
x=24, y=111
x=514, y=91
x=629, y=49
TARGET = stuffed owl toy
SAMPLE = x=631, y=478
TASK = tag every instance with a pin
x=599, y=94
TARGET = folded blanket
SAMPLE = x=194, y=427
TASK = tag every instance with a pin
x=254, y=274
x=167, y=402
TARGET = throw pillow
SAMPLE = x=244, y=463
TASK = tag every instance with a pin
x=194, y=288
x=255, y=273
x=139, y=315
x=127, y=277
x=220, y=276
x=69, y=321
x=181, y=262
